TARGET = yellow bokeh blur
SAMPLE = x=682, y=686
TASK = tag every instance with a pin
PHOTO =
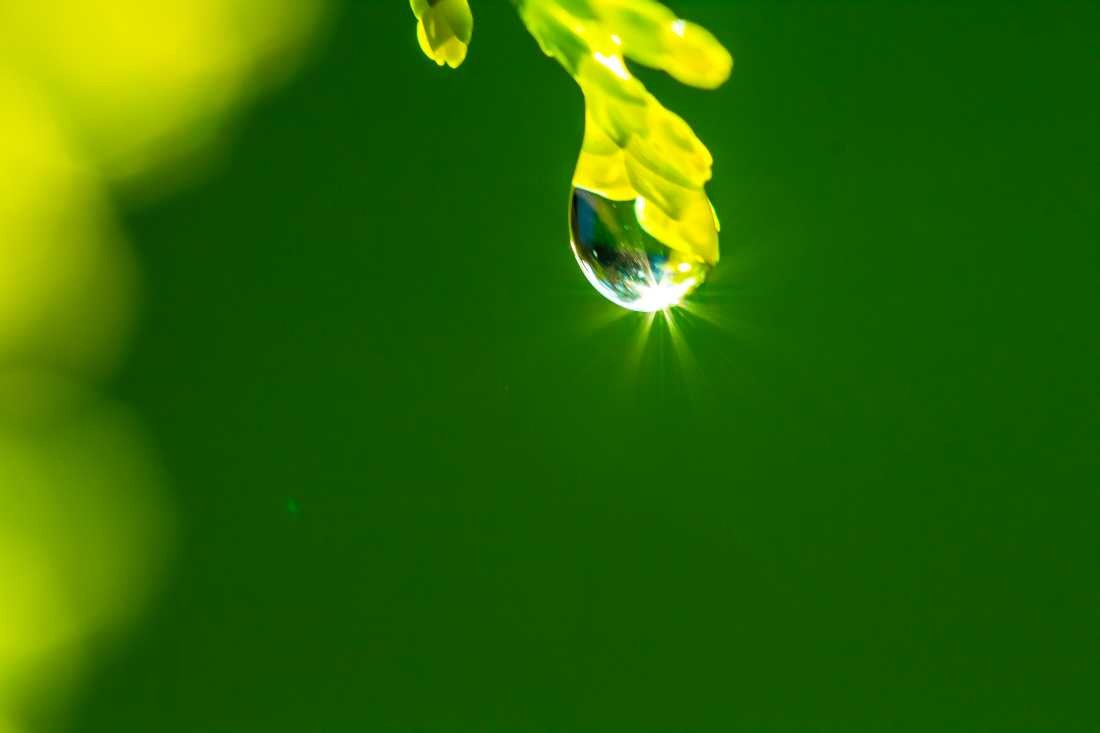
x=146, y=84
x=66, y=277
x=99, y=100
x=86, y=526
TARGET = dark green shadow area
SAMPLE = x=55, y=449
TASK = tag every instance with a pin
x=428, y=481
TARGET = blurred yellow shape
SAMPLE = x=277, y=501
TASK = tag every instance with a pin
x=147, y=83
x=67, y=282
x=94, y=93
x=83, y=530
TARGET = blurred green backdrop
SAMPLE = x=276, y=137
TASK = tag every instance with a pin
x=428, y=480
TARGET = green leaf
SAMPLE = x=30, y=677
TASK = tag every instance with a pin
x=635, y=148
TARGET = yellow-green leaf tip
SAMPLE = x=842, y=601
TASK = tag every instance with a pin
x=634, y=148
x=444, y=29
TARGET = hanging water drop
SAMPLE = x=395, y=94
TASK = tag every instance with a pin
x=625, y=263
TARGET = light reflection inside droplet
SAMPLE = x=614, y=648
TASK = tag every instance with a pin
x=622, y=261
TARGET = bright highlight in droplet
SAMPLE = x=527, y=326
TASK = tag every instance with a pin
x=622, y=261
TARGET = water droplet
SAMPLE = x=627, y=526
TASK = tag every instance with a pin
x=626, y=264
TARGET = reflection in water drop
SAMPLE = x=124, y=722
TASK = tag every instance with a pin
x=626, y=264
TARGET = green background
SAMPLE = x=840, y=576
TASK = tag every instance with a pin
x=428, y=480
